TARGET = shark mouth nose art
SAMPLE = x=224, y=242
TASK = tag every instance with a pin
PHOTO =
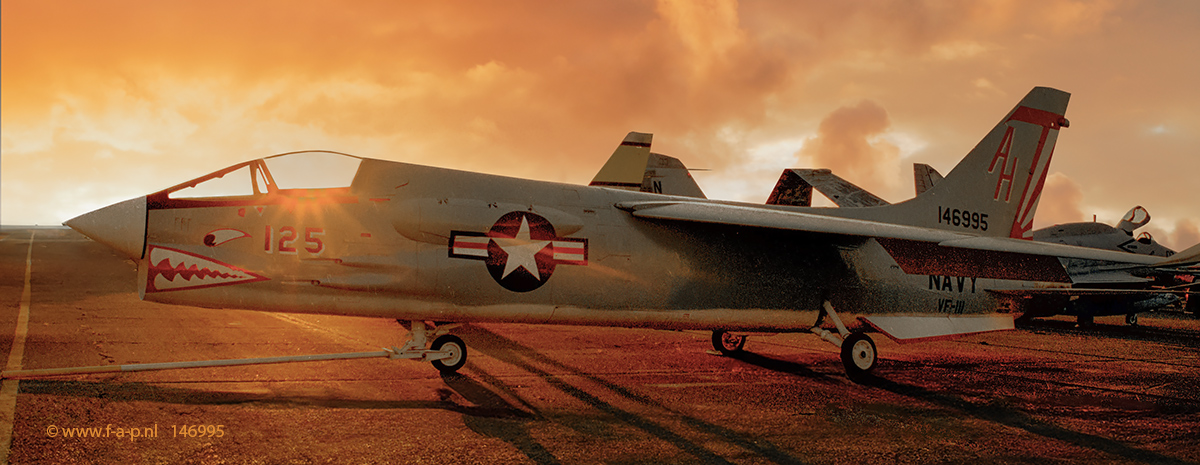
x=176, y=270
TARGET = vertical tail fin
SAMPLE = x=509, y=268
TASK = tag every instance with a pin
x=627, y=165
x=633, y=167
x=924, y=177
x=994, y=190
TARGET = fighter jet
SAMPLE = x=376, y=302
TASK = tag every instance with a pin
x=1100, y=284
x=1098, y=288
x=437, y=248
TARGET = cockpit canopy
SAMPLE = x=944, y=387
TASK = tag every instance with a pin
x=280, y=174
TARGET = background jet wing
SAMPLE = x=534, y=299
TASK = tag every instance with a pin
x=924, y=177
x=795, y=188
x=917, y=250
x=1189, y=258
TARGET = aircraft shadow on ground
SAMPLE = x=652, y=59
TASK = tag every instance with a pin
x=782, y=366
x=1015, y=418
x=530, y=360
x=147, y=392
x=1000, y=414
x=1180, y=336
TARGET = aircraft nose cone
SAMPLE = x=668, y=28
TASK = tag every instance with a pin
x=121, y=226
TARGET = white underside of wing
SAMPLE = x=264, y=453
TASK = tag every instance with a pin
x=905, y=329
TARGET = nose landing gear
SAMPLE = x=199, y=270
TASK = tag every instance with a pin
x=447, y=353
x=455, y=351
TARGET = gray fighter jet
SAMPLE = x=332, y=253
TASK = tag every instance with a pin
x=437, y=247
x=1099, y=288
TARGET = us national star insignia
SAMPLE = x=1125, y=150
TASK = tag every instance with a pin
x=521, y=250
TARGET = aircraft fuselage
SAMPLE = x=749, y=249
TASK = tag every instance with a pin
x=407, y=241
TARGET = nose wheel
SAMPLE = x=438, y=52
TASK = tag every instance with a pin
x=447, y=353
x=455, y=350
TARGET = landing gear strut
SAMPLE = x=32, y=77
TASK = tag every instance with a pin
x=859, y=356
x=447, y=353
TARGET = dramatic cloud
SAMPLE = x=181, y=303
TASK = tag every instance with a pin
x=1186, y=234
x=1061, y=202
x=104, y=101
x=848, y=142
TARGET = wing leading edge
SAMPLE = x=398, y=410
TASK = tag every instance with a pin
x=917, y=250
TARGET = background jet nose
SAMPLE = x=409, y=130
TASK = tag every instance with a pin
x=121, y=226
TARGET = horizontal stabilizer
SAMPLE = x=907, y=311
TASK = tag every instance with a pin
x=905, y=329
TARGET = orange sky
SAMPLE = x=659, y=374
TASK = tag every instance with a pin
x=105, y=101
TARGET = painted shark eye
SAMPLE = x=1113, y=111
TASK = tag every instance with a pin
x=222, y=236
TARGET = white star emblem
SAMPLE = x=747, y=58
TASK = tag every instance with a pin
x=522, y=251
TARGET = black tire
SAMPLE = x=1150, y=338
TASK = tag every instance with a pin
x=1131, y=319
x=1085, y=320
x=728, y=344
x=456, y=346
x=859, y=356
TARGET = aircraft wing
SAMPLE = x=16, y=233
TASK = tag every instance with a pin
x=917, y=250
x=1189, y=258
x=795, y=188
x=1078, y=291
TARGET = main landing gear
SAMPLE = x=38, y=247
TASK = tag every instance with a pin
x=859, y=356
x=447, y=353
x=729, y=345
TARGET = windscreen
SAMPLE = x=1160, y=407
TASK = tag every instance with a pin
x=232, y=184
x=313, y=170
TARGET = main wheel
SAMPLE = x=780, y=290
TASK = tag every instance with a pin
x=858, y=355
x=1131, y=319
x=457, y=349
x=728, y=344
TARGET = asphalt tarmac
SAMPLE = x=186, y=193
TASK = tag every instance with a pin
x=1046, y=393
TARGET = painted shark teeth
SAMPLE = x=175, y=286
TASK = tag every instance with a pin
x=176, y=270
